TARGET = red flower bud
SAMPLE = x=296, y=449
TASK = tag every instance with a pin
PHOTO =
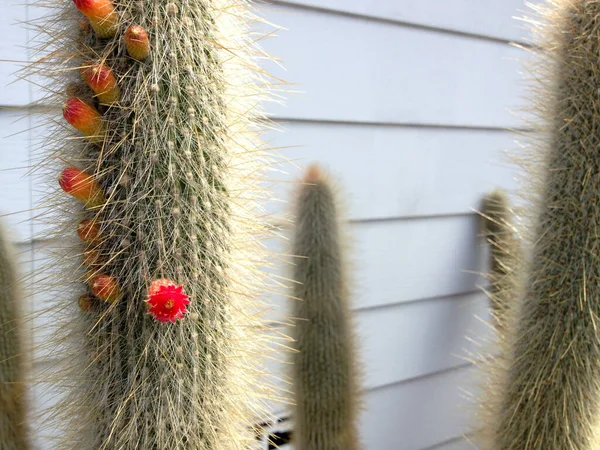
x=136, y=40
x=82, y=186
x=105, y=288
x=84, y=118
x=166, y=301
x=91, y=257
x=88, y=230
x=85, y=302
x=102, y=81
x=102, y=16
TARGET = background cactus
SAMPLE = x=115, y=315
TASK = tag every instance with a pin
x=550, y=382
x=324, y=366
x=14, y=433
x=505, y=253
x=160, y=144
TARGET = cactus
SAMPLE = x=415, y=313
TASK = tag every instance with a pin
x=13, y=427
x=505, y=253
x=159, y=150
x=324, y=366
x=549, y=397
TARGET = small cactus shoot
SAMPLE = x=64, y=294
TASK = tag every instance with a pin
x=505, y=253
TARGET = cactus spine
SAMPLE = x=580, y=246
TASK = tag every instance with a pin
x=164, y=164
x=551, y=390
x=13, y=428
x=505, y=253
x=324, y=366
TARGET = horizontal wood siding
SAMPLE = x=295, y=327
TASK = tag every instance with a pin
x=484, y=18
x=407, y=103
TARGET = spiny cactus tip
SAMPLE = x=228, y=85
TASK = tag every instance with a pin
x=313, y=173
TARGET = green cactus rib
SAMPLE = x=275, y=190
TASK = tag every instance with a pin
x=552, y=389
x=324, y=366
x=181, y=166
x=505, y=253
x=14, y=434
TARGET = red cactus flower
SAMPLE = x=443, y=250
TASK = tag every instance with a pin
x=166, y=300
x=88, y=230
x=82, y=186
x=136, y=40
x=101, y=79
x=83, y=117
x=105, y=288
x=102, y=16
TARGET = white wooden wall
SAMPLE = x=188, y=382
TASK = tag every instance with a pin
x=407, y=102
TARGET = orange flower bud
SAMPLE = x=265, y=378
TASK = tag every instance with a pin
x=84, y=26
x=82, y=186
x=91, y=273
x=85, y=302
x=136, y=40
x=102, y=16
x=88, y=230
x=102, y=81
x=91, y=257
x=83, y=117
x=105, y=288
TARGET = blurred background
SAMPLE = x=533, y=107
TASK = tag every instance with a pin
x=408, y=103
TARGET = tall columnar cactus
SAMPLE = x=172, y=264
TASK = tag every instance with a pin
x=324, y=366
x=505, y=253
x=550, y=398
x=159, y=150
x=13, y=412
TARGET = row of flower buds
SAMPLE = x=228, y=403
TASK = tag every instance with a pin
x=104, y=19
x=102, y=286
x=165, y=300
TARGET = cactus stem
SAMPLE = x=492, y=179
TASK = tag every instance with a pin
x=326, y=394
